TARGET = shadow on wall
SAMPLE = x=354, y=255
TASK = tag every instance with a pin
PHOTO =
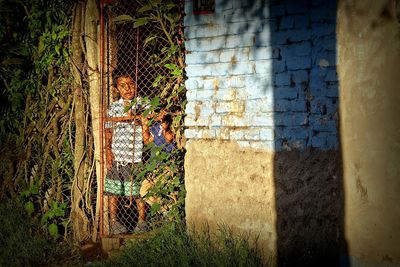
x=285, y=52
x=307, y=165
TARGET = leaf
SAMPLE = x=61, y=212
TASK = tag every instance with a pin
x=59, y=212
x=176, y=72
x=177, y=119
x=147, y=112
x=155, y=102
x=12, y=61
x=53, y=205
x=41, y=46
x=65, y=223
x=155, y=207
x=176, y=181
x=170, y=66
x=26, y=193
x=123, y=18
x=157, y=80
x=170, y=6
x=149, y=39
x=128, y=107
x=53, y=230
x=140, y=22
x=44, y=218
x=165, y=48
x=57, y=48
x=169, y=19
x=145, y=8
x=29, y=207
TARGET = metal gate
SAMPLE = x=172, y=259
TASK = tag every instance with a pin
x=128, y=77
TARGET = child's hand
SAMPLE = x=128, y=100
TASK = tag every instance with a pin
x=161, y=115
x=147, y=137
x=145, y=122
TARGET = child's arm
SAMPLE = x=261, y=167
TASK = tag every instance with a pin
x=168, y=135
x=166, y=132
x=147, y=137
x=109, y=154
x=129, y=118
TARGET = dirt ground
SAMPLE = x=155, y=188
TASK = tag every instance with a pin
x=92, y=252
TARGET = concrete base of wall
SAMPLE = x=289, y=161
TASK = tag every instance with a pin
x=228, y=185
x=357, y=262
x=309, y=208
x=291, y=200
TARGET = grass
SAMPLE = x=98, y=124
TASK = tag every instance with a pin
x=171, y=245
x=23, y=243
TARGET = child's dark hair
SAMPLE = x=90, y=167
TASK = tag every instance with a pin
x=167, y=118
x=118, y=73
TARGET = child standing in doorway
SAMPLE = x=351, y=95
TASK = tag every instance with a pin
x=123, y=148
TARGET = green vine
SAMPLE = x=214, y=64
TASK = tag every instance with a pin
x=37, y=130
x=36, y=89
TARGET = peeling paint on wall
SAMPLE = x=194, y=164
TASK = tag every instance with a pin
x=270, y=71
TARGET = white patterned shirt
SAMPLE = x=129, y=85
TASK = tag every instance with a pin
x=127, y=140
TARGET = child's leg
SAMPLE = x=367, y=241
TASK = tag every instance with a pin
x=112, y=207
x=141, y=226
x=141, y=206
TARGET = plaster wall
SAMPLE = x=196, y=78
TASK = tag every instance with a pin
x=368, y=68
x=291, y=200
x=231, y=186
x=261, y=79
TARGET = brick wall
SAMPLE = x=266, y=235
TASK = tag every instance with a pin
x=263, y=74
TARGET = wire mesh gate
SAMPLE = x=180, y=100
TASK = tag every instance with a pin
x=127, y=77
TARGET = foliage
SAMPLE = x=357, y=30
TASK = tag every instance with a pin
x=37, y=132
x=166, y=171
x=24, y=243
x=36, y=152
x=173, y=246
x=166, y=39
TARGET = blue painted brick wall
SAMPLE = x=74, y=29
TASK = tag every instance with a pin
x=263, y=73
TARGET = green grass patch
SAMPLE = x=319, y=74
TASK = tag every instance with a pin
x=24, y=243
x=171, y=245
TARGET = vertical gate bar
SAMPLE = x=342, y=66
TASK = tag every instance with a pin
x=136, y=92
x=107, y=69
x=137, y=58
x=100, y=187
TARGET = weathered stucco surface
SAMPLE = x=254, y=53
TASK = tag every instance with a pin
x=294, y=200
x=230, y=185
x=291, y=199
x=368, y=68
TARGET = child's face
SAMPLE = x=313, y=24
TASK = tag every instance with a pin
x=126, y=87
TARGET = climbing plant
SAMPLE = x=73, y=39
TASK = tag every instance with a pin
x=35, y=118
x=49, y=80
x=44, y=161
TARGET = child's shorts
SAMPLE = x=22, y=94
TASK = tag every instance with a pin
x=120, y=181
